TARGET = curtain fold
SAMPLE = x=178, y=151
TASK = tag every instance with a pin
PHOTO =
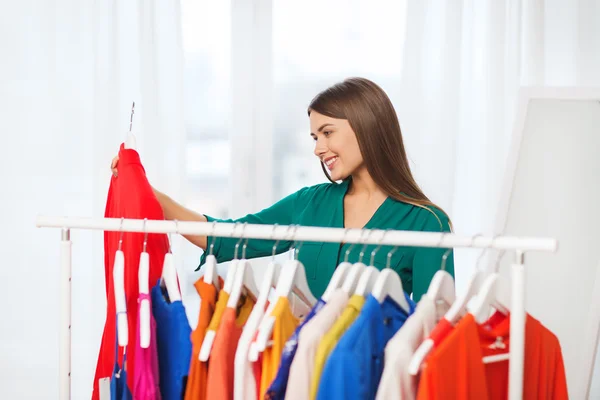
x=69, y=73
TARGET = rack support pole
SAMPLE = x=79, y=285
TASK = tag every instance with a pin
x=65, y=316
x=517, y=328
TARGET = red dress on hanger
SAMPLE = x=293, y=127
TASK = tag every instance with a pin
x=129, y=196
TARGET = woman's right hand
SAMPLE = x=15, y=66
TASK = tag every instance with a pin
x=113, y=166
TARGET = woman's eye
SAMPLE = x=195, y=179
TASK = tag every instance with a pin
x=327, y=133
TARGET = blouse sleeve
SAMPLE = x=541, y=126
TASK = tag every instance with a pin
x=281, y=213
x=427, y=261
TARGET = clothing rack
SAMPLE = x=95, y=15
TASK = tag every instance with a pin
x=300, y=234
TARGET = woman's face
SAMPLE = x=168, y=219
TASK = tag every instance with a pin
x=335, y=145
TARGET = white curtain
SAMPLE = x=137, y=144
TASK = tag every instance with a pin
x=70, y=70
x=463, y=64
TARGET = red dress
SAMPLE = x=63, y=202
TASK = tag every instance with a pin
x=129, y=196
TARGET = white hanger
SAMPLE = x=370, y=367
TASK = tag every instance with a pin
x=338, y=277
x=130, y=142
x=209, y=336
x=370, y=274
x=169, y=274
x=441, y=286
x=143, y=285
x=354, y=273
x=453, y=315
x=495, y=292
x=388, y=283
x=119, y=289
x=211, y=275
x=244, y=279
x=292, y=276
x=336, y=280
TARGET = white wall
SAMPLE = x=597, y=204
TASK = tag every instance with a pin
x=556, y=194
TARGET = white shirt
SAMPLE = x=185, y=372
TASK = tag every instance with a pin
x=396, y=382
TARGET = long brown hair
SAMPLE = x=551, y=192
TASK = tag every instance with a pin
x=372, y=117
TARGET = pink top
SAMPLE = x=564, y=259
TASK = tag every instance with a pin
x=146, y=377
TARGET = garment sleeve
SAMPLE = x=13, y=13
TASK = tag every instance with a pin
x=282, y=213
x=427, y=261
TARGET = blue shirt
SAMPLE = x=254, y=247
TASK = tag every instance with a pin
x=173, y=341
x=354, y=368
x=279, y=384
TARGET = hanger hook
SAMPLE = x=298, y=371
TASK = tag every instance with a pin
x=375, y=250
x=145, y=234
x=121, y=230
x=212, y=244
x=276, y=242
x=446, y=253
x=237, y=245
x=365, y=244
x=349, y=249
x=245, y=245
x=297, y=250
x=131, y=118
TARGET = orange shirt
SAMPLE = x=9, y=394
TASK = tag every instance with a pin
x=222, y=354
x=455, y=368
x=285, y=324
x=197, y=375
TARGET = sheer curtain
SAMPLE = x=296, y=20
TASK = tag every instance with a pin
x=463, y=64
x=69, y=73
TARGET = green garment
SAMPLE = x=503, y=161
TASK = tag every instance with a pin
x=323, y=205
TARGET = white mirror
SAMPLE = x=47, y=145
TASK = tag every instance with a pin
x=552, y=188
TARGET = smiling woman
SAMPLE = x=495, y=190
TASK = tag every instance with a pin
x=359, y=144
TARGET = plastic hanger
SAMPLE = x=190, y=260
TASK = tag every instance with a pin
x=494, y=292
x=169, y=274
x=130, y=141
x=143, y=278
x=441, y=287
x=119, y=289
x=209, y=336
x=211, y=275
x=337, y=279
x=244, y=279
x=292, y=276
x=370, y=274
x=269, y=281
x=293, y=279
x=351, y=280
x=453, y=315
x=388, y=283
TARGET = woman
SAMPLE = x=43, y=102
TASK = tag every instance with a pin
x=359, y=143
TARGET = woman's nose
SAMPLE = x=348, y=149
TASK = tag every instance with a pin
x=320, y=148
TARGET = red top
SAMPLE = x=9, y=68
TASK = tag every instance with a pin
x=129, y=196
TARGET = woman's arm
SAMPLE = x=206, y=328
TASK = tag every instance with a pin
x=175, y=211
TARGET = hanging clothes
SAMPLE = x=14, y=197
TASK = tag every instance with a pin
x=396, y=382
x=456, y=369
x=118, y=380
x=146, y=377
x=354, y=368
x=331, y=338
x=198, y=370
x=279, y=385
x=173, y=340
x=245, y=385
x=129, y=196
x=323, y=205
x=222, y=355
x=302, y=368
x=285, y=324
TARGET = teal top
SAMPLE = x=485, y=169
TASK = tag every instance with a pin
x=323, y=205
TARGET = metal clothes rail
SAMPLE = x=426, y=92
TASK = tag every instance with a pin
x=303, y=233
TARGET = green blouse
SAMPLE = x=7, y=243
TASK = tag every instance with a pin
x=323, y=205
